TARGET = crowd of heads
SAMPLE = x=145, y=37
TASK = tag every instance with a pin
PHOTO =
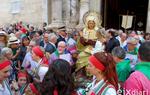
x=46, y=47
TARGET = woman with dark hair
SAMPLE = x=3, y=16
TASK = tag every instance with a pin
x=147, y=36
x=102, y=66
x=23, y=49
x=112, y=41
x=58, y=80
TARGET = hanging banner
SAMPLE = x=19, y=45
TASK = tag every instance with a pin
x=127, y=21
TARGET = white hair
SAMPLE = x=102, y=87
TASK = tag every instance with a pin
x=32, y=42
x=5, y=51
x=62, y=42
x=52, y=36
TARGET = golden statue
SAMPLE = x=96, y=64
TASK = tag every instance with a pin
x=87, y=38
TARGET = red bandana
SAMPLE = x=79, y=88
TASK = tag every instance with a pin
x=21, y=74
x=96, y=63
x=38, y=51
x=4, y=64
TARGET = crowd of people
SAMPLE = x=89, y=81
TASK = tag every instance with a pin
x=89, y=61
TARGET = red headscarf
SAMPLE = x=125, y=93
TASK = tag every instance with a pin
x=4, y=64
x=22, y=74
x=38, y=51
x=93, y=60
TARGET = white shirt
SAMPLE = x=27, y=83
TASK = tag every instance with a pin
x=70, y=41
x=66, y=57
x=28, y=59
x=99, y=47
x=123, y=44
x=42, y=71
x=4, y=90
x=110, y=91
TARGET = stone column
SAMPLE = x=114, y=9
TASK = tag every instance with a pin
x=73, y=11
x=45, y=11
x=56, y=14
x=66, y=12
x=148, y=19
x=84, y=7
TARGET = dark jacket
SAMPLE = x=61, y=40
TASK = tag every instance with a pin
x=42, y=43
x=60, y=38
x=50, y=48
x=113, y=42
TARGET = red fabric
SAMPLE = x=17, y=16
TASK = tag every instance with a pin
x=38, y=51
x=45, y=60
x=23, y=30
x=96, y=63
x=55, y=92
x=34, y=90
x=21, y=74
x=92, y=93
x=72, y=49
x=4, y=64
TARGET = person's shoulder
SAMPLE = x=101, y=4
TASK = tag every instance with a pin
x=41, y=42
x=135, y=77
x=49, y=45
x=135, y=74
x=110, y=91
x=124, y=64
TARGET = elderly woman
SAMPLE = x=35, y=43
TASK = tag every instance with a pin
x=7, y=54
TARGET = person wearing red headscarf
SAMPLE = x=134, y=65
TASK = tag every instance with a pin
x=102, y=66
x=23, y=30
x=22, y=81
x=42, y=68
x=4, y=74
x=18, y=88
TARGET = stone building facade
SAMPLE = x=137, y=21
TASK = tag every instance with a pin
x=55, y=12
x=29, y=11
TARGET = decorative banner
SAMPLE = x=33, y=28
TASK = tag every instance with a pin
x=127, y=21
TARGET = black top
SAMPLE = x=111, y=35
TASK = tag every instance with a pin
x=113, y=42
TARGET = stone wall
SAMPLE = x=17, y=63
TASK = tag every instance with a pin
x=29, y=11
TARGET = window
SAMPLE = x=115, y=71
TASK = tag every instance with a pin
x=15, y=6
